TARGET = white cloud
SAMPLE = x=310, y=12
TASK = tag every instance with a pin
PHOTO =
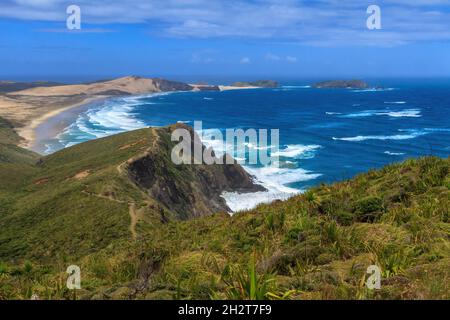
x=245, y=60
x=291, y=59
x=204, y=56
x=323, y=23
x=272, y=57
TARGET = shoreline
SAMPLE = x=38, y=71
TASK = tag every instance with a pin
x=47, y=126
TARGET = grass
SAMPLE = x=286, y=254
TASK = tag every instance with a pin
x=313, y=246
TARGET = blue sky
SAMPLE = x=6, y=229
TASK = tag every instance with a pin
x=213, y=39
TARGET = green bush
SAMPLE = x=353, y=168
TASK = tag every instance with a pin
x=369, y=208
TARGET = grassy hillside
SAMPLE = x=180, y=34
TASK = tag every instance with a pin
x=15, y=164
x=81, y=206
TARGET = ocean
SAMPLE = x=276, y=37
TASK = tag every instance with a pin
x=326, y=135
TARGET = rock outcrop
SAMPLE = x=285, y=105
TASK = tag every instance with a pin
x=188, y=190
x=341, y=84
x=258, y=84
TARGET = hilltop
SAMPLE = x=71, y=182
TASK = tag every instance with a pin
x=102, y=183
x=142, y=228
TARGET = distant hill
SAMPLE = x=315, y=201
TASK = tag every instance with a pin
x=258, y=83
x=121, y=86
x=342, y=84
x=11, y=86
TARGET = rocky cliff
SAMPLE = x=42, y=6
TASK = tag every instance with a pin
x=188, y=190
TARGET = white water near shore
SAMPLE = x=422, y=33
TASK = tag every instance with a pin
x=302, y=162
x=275, y=179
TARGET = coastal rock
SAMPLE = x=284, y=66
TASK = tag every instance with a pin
x=341, y=84
x=188, y=190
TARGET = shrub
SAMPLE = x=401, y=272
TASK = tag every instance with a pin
x=369, y=208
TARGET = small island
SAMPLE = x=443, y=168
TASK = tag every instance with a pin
x=257, y=84
x=341, y=84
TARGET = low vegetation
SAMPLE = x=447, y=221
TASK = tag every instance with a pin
x=73, y=207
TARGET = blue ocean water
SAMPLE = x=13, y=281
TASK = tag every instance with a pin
x=326, y=135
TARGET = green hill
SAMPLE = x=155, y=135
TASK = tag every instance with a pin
x=142, y=228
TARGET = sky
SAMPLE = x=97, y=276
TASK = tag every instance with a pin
x=227, y=38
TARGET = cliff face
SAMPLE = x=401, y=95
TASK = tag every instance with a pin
x=187, y=190
x=342, y=84
x=167, y=85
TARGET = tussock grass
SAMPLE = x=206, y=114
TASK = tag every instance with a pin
x=313, y=246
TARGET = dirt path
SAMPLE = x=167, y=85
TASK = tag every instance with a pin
x=134, y=220
x=134, y=213
x=110, y=198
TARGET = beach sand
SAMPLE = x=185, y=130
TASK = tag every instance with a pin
x=28, y=113
x=228, y=88
x=43, y=129
x=40, y=113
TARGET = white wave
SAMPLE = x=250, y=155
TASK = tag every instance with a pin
x=394, y=153
x=111, y=117
x=395, y=102
x=373, y=90
x=332, y=113
x=406, y=134
x=210, y=138
x=297, y=151
x=255, y=147
x=408, y=113
x=411, y=135
x=296, y=87
x=181, y=121
x=437, y=129
x=275, y=181
x=273, y=178
x=206, y=98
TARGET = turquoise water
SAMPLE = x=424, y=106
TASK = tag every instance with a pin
x=325, y=134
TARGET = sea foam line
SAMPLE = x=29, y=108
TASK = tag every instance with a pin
x=408, y=113
x=406, y=134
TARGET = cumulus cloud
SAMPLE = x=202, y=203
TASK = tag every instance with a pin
x=323, y=23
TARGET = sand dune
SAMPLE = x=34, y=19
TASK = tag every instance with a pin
x=126, y=85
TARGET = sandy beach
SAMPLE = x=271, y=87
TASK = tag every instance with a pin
x=49, y=125
x=40, y=113
x=228, y=88
x=27, y=113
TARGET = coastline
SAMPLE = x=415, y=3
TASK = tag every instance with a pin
x=44, y=128
x=47, y=126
